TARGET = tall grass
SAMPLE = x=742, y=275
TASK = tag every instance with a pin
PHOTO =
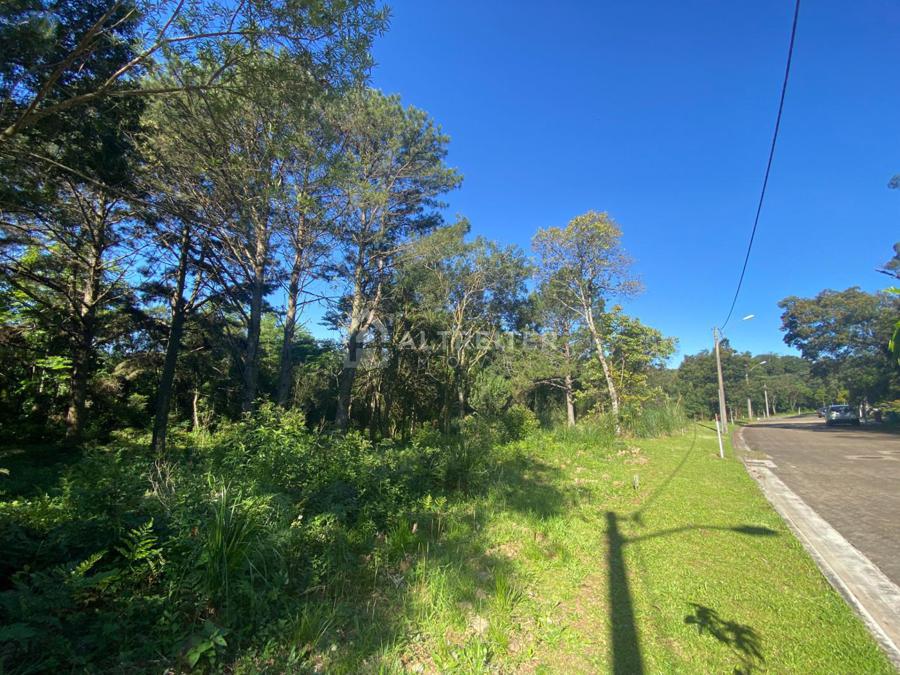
x=600, y=430
x=230, y=542
x=661, y=419
x=262, y=530
x=657, y=420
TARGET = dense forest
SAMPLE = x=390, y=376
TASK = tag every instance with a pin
x=184, y=185
x=172, y=211
x=179, y=190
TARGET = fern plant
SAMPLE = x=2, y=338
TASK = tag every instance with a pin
x=140, y=548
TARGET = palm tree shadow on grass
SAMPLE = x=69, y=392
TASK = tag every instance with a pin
x=625, y=640
x=741, y=638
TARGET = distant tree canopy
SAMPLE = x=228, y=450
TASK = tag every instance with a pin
x=584, y=267
x=892, y=269
x=787, y=380
x=845, y=336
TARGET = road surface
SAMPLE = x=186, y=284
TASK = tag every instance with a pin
x=849, y=475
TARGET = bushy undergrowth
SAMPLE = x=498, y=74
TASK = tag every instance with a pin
x=131, y=562
x=114, y=559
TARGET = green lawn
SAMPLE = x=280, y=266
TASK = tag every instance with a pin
x=652, y=555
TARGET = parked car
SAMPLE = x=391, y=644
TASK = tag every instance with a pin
x=820, y=412
x=841, y=414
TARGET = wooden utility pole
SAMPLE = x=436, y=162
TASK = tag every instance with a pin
x=723, y=414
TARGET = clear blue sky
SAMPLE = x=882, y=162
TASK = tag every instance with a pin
x=661, y=113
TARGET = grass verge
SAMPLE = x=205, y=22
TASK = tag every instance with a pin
x=271, y=549
x=586, y=556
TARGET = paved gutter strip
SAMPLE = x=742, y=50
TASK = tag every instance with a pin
x=865, y=587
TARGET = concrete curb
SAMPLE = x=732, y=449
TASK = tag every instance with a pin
x=874, y=597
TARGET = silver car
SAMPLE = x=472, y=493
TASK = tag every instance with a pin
x=841, y=414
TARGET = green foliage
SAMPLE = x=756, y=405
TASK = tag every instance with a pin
x=146, y=242
x=789, y=380
x=127, y=560
x=140, y=549
x=597, y=430
x=228, y=548
x=491, y=394
x=582, y=268
x=205, y=647
x=846, y=336
x=510, y=424
x=264, y=546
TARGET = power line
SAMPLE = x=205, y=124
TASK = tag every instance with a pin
x=762, y=194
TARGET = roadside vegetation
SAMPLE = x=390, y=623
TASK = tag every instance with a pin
x=265, y=547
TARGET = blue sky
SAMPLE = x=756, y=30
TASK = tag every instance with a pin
x=661, y=113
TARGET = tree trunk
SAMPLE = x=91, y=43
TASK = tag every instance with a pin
x=388, y=406
x=257, y=295
x=81, y=369
x=195, y=410
x=375, y=413
x=251, y=352
x=461, y=396
x=286, y=362
x=446, y=413
x=173, y=346
x=364, y=305
x=607, y=374
x=83, y=351
x=568, y=386
x=360, y=320
x=610, y=384
x=345, y=386
x=167, y=378
x=570, y=401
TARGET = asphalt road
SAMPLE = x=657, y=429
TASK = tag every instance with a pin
x=849, y=475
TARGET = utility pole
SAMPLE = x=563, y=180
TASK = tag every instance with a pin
x=766, y=392
x=719, y=436
x=723, y=414
x=747, y=380
x=749, y=404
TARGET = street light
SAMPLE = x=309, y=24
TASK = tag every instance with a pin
x=723, y=415
x=747, y=380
